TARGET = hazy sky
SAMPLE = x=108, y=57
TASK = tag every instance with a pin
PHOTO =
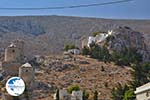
x=137, y=9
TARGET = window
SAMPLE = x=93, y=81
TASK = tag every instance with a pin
x=13, y=51
x=26, y=70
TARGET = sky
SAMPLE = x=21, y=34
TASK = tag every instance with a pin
x=137, y=9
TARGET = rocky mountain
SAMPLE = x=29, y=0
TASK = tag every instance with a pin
x=124, y=38
x=49, y=34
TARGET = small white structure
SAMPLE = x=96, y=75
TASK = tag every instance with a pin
x=64, y=95
x=91, y=39
x=77, y=95
x=99, y=38
x=74, y=51
x=143, y=92
x=110, y=32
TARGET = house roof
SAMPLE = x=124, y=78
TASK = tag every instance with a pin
x=26, y=65
x=142, y=88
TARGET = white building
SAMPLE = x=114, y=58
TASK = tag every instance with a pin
x=143, y=92
x=73, y=51
x=64, y=95
x=98, y=38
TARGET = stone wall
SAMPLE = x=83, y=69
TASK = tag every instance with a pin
x=10, y=68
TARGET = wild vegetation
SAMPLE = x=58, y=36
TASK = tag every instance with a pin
x=97, y=52
x=126, y=57
x=70, y=46
x=73, y=88
x=141, y=76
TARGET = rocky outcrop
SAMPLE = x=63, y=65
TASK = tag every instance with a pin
x=125, y=37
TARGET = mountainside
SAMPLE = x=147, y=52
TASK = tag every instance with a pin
x=88, y=73
x=49, y=34
x=124, y=38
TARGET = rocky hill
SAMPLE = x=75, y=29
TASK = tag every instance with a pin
x=124, y=38
x=64, y=71
x=88, y=73
x=49, y=34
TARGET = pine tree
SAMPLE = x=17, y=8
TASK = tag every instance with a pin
x=57, y=94
x=95, y=95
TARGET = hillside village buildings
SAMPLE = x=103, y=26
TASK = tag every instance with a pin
x=96, y=39
x=13, y=65
x=13, y=58
x=143, y=92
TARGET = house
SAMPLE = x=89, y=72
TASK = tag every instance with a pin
x=96, y=39
x=143, y=92
x=64, y=95
x=74, y=51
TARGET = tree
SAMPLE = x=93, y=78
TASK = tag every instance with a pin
x=140, y=74
x=99, y=52
x=57, y=94
x=118, y=92
x=85, y=50
x=126, y=57
x=85, y=95
x=129, y=95
x=95, y=95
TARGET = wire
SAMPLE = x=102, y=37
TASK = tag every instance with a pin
x=69, y=7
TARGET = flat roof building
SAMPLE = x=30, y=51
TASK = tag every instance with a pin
x=143, y=92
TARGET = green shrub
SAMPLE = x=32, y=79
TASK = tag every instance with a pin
x=118, y=92
x=97, y=52
x=140, y=74
x=73, y=88
x=126, y=57
x=69, y=46
x=85, y=50
x=95, y=95
x=100, y=53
